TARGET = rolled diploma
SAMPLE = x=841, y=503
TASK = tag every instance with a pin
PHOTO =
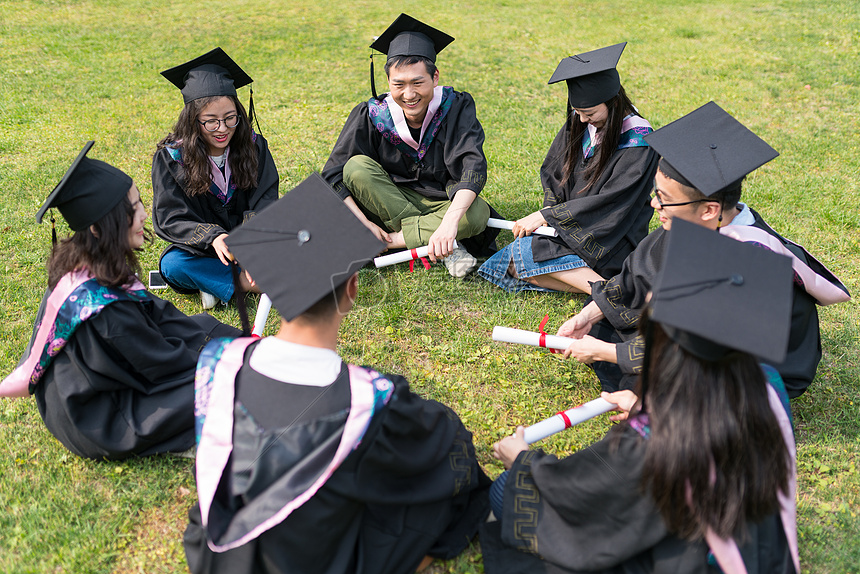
x=557, y=423
x=403, y=256
x=262, y=314
x=503, y=224
x=508, y=335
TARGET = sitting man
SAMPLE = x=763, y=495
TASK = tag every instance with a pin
x=306, y=463
x=410, y=164
x=705, y=156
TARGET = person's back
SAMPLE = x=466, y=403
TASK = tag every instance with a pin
x=701, y=475
x=305, y=463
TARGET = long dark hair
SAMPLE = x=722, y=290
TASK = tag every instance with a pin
x=195, y=154
x=102, y=248
x=712, y=432
x=619, y=107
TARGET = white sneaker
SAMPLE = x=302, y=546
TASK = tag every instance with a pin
x=209, y=300
x=460, y=262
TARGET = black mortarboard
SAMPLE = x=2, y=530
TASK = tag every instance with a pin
x=716, y=294
x=409, y=37
x=709, y=149
x=212, y=74
x=303, y=246
x=88, y=191
x=591, y=77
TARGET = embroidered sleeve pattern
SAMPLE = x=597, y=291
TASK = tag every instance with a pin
x=586, y=241
x=201, y=232
x=614, y=296
x=526, y=503
x=470, y=179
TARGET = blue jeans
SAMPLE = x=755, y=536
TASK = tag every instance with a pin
x=497, y=494
x=197, y=273
x=495, y=269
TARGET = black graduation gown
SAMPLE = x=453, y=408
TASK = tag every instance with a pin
x=455, y=159
x=193, y=223
x=412, y=487
x=604, y=224
x=622, y=298
x=124, y=384
x=587, y=513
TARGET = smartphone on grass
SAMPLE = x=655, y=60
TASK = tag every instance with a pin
x=156, y=281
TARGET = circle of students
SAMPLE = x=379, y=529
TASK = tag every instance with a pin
x=307, y=464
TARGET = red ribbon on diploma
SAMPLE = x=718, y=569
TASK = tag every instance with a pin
x=567, y=423
x=414, y=253
x=542, y=340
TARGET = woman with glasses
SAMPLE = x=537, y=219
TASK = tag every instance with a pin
x=595, y=178
x=208, y=176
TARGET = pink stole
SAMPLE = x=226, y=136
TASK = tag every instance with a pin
x=17, y=384
x=726, y=551
x=221, y=180
x=216, y=439
x=400, y=120
x=823, y=290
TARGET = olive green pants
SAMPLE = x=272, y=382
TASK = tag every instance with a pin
x=398, y=208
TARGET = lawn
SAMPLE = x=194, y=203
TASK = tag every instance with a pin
x=79, y=70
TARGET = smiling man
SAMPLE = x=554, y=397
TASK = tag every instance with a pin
x=704, y=158
x=410, y=164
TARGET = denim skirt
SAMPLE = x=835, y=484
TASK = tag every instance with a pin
x=495, y=269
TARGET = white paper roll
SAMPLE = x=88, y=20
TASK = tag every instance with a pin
x=262, y=314
x=504, y=224
x=575, y=415
x=403, y=256
x=508, y=335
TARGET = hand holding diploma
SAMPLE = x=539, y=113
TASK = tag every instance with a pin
x=566, y=419
x=509, y=335
x=403, y=256
x=541, y=229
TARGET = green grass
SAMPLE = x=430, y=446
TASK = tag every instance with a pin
x=78, y=70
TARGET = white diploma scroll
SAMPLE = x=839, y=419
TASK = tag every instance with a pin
x=566, y=419
x=262, y=314
x=403, y=256
x=504, y=224
x=508, y=335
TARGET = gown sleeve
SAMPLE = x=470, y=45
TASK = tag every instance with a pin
x=266, y=192
x=177, y=217
x=464, y=148
x=356, y=138
x=586, y=511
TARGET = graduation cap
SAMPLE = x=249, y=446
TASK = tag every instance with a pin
x=716, y=295
x=410, y=37
x=212, y=74
x=88, y=191
x=407, y=36
x=303, y=246
x=591, y=77
x=709, y=150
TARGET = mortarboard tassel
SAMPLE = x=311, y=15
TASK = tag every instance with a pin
x=53, y=230
x=372, y=80
x=252, y=116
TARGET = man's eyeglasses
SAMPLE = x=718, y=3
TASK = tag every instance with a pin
x=656, y=193
x=229, y=122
